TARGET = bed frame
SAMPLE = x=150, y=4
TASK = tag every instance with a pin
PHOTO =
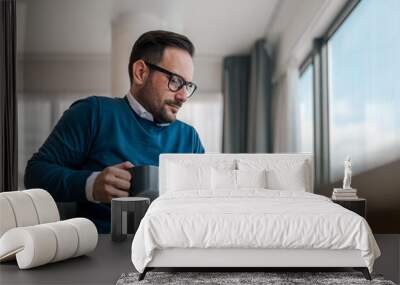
x=245, y=258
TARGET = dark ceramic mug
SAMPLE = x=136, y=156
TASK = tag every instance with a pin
x=144, y=181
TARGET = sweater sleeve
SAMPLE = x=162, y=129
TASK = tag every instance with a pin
x=57, y=166
x=197, y=146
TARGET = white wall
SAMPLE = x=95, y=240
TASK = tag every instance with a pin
x=68, y=27
x=58, y=73
x=208, y=73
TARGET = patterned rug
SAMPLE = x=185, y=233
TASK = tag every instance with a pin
x=273, y=278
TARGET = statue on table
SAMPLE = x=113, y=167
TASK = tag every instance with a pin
x=347, y=173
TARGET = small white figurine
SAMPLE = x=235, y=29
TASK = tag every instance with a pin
x=347, y=173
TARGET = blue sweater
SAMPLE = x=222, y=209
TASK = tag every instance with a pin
x=92, y=134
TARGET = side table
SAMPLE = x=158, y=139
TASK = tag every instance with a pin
x=126, y=214
x=358, y=205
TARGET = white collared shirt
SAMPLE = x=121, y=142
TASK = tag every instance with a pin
x=143, y=113
x=140, y=110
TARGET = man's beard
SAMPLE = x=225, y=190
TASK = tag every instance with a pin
x=164, y=116
x=159, y=111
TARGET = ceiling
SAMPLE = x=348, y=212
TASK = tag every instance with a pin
x=217, y=27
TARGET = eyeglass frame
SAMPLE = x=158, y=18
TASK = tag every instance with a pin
x=170, y=75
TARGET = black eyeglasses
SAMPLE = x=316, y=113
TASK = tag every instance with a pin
x=176, y=82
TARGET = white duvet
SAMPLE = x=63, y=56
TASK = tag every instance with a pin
x=251, y=218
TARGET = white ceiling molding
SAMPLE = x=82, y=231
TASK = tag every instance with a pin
x=296, y=25
x=316, y=28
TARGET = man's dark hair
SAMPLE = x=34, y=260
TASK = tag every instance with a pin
x=151, y=45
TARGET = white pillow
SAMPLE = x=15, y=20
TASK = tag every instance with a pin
x=183, y=177
x=282, y=173
x=226, y=179
x=251, y=178
x=293, y=179
x=223, y=179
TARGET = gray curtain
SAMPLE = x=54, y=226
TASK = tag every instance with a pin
x=259, y=125
x=235, y=90
x=8, y=99
x=247, y=90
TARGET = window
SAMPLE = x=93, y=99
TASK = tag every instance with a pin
x=204, y=112
x=364, y=90
x=306, y=110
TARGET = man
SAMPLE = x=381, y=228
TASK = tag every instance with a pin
x=87, y=156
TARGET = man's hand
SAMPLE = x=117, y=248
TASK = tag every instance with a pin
x=112, y=182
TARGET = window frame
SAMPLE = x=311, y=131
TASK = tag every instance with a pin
x=319, y=58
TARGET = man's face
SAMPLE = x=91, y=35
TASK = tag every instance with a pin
x=155, y=95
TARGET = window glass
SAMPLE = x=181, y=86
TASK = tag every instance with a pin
x=305, y=93
x=204, y=112
x=364, y=95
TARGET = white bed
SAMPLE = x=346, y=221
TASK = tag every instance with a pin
x=247, y=210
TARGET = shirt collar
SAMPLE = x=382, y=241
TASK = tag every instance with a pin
x=141, y=111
